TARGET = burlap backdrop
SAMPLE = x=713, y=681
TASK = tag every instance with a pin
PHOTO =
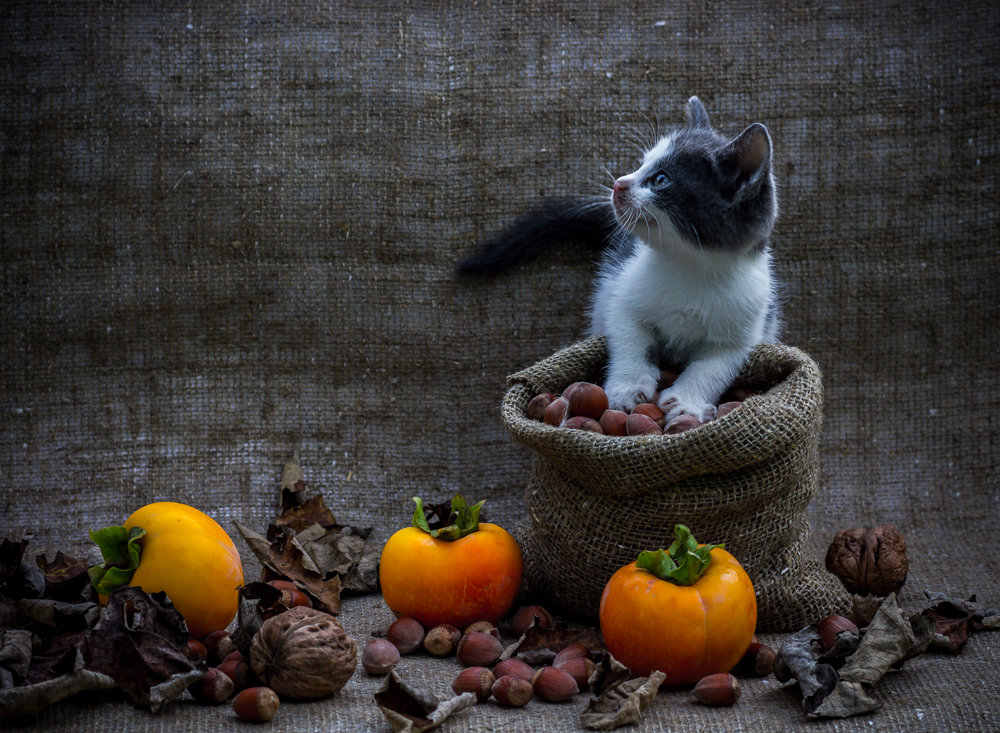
x=228, y=232
x=594, y=502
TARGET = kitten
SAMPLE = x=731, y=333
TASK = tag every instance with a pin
x=686, y=278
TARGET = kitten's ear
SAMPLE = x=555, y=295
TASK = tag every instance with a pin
x=747, y=157
x=695, y=114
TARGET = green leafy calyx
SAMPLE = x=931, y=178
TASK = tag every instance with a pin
x=120, y=549
x=682, y=563
x=462, y=520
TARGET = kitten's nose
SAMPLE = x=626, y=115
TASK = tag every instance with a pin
x=621, y=184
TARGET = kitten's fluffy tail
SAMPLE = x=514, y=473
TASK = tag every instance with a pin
x=588, y=224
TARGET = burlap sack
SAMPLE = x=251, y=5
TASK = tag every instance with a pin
x=594, y=502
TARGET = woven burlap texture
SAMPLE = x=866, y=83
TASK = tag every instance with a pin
x=228, y=233
x=594, y=502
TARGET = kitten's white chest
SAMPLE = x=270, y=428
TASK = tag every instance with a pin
x=690, y=305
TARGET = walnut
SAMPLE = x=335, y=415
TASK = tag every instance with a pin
x=869, y=561
x=303, y=654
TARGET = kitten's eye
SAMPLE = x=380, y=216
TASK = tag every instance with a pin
x=660, y=180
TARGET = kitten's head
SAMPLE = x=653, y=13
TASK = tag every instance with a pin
x=696, y=188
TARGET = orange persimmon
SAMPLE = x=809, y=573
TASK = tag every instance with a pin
x=468, y=571
x=689, y=611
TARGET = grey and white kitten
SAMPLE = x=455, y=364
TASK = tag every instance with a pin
x=686, y=278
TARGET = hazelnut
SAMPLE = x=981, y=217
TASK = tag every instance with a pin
x=213, y=688
x=681, y=424
x=612, y=422
x=477, y=680
x=579, y=668
x=726, y=407
x=557, y=412
x=406, y=633
x=536, y=407
x=237, y=668
x=442, y=640
x=586, y=399
x=717, y=689
x=196, y=651
x=479, y=649
x=831, y=626
x=581, y=422
x=487, y=627
x=639, y=424
x=572, y=651
x=513, y=692
x=379, y=656
x=218, y=645
x=553, y=685
x=528, y=616
x=757, y=662
x=303, y=654
x=514, y=667
x=652, y=411
x=291, y=596
x=256, y=704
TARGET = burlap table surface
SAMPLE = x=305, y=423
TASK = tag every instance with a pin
x=228, y=233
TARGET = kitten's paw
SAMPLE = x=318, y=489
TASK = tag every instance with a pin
x=675, y=404
x=624, y=395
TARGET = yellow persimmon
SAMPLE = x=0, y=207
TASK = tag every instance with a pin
x=182, y=552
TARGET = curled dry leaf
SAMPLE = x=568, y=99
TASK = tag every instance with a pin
x=623, y=704
x=140, y=643
x=344, y=551
x=33, y=698
x=411, y=711
x=282, y=556
x=828, y=692
x=607, y=674
x=956, y=619
x=66, y=578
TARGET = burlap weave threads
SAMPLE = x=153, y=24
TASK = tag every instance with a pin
x=594, y=502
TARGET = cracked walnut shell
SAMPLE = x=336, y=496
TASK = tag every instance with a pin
x=303, y=654
x=869, y=561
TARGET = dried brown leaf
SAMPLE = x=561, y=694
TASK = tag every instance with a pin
x=66, y=578
x=410, y=711
x=540, y=646
x=956, y=619
x=607, y=675
x=623, y=704
x=31, y=699
x=15, y=651
x=345, y=553
x=283, y=557
x=141, y=644
x=890, y=639
x=311, y=511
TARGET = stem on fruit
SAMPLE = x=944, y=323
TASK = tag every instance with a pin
x=682, y=563
x=463, y=520
x=120, y=549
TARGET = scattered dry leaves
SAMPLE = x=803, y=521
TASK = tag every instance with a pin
x=410, y=711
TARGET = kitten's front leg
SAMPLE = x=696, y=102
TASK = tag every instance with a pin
x=700, y=385
x=632, y=375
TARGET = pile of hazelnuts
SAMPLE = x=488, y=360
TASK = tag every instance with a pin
x=584, y=406
x=485, y=672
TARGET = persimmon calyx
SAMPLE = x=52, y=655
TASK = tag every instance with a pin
x=682, y=563
x=120, y=549
x=463, y=519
